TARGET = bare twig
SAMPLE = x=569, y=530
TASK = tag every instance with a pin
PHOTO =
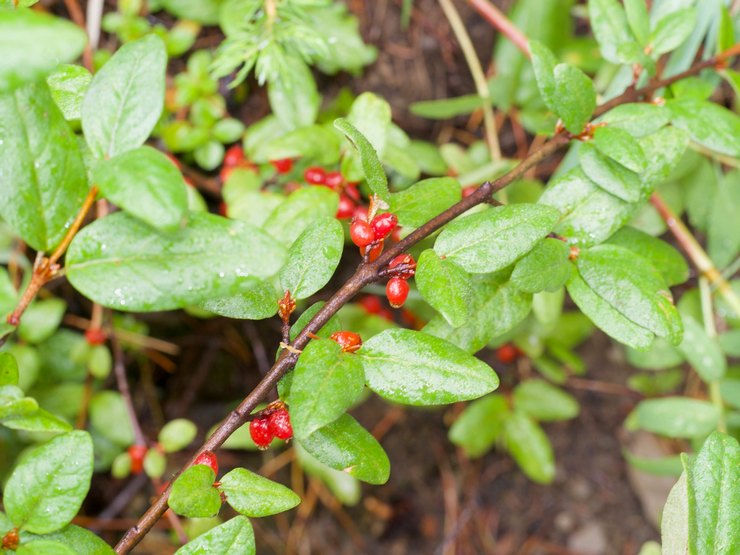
x=503, y=24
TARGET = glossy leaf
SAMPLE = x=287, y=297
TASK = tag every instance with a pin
x=708, y=124
x=371, y=116
x=701, y=351
x=13, y=402
x=638, y=19
x=84, y=541
x=326, y=382
x=723, y=228
x=637, y=119
x=43, y=182
x=47, y=488
x=345, y=488
x=529, y=447
x=480, y=425
x=610, y=28
x=193, y=494
x=205, y=259
x=445, y=286
x=576, y=97
x=371, y=166
x=545, y=268
x=68, y=84
x=663, y=257
x=674, y=524
x=250, y=299
x=312, y=258
x=37, y=421
x=45, y=547
x=675, y=417
x=609, y=174
x=672, y=30
x=126, y=98
x=347, y=446
x=543, y=63
x=33, y=43
x=544, y=402
x=147, y=185
x=252, y=495
x=620, y=146
x=494, y=238
x=664, y=149
x=8, y=370
x=233, y=536
x=300, y=210
x=422, y=201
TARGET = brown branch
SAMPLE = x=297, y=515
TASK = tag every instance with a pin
x=119, y=369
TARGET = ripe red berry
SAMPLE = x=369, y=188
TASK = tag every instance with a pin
x=279, y=423
x=346, y=207
x=371, y=304
x=259, y=429
x=397, y=289
x=208, y=458
x=315, y=175
x=407, y=262
x=95, y=336
x=233, y=156
x=361, y=233
x=360, y=213
x=284, y=165
x=137, y=453
x=334, y=180
x=375, y=251
x=353, y=192
x=348, y=340
x=507, y=353
x=383, y=224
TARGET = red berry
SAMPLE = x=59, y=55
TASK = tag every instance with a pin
x=315, y=175
x=397, y=289
x=375, y=251
x=284, y=165
x=353, y=192
x=383, y=224
x=334, y=180
x=467, y=191
x=259, y=429
x=233, y=156
x=346, y=207
x=95, y=336
x=279, y=423
x=371, y=304
x=507, y=353
x=348, y=340
x=407, y=262
x=396, y=235
x=360, y=213
x=361, y=233
x=137, y=453
x=207, y=458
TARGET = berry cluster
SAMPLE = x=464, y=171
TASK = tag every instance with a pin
x=368, y=231
x=208, y=458
x=348, y=340
x=271, y=422
x=402, y=268
x=349, y=194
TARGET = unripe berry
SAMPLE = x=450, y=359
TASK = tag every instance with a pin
x=397, y=289
x=361, y=233
x=383, y=224
x=315, y=175
x=279, y=423
x=334, y=180
x=233, y=156
x=95, y=336
x=259, y=429
x=507, y=353
x=208, y=458
x=409, y=264
x=137, y=454
x=346, y=207
x=348, y=340
x=284, y=165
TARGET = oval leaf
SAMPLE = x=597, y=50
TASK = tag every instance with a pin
x=422, y=201
x=445, y=286
x=530, y=448
x=233, y=536
x=253, y=495
x=480, y=425
x=544, y=402
x=545, y=268
x=193, y=494
x=675, y=417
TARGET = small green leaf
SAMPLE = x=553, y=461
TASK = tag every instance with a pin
x=638, y=19
x=576, y=97
x=723, y=228
x=126, y=98
x=13, y=403
x=250, y=299
x=529, y=447
x=674, y=525
x=480, y=425
x=68, y=84
x=446, y=108
x=638, y=119
x=619, y=145
x=47, y=488
x=209, y=155
x=233, y=536
x=545, y=268
x=301, y=209
x=729, y=341
x=45, y=547
x=609, y=174
x=312, y=258
x=100, y=362
x=146, y=184
x=37, y=421
x=193, y=494
x=610, y=28
x=177, y=434
x=109, y=417
x=8, y=370
x=347, y=446
x=544, y=402
x=155, y=463
x=293, y=95
x=422, y=201
x=252, y=495
x=41, y=320
x=670, y=31
x=490, y=240
x=543, y=63
x=371, y=116
x=371, y=166
x=708, y=124
x=445, y=286
x=702, y=352
x=326, y=382
x=675, y=417
x=33, y=43
x=84, y=541
x=344, y=487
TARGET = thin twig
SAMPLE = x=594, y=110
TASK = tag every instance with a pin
x=119, y=369
x=503, y=24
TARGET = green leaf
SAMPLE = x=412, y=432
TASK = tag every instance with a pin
x=33, y=43
x=675, y=417
x=250, y=299
x=730, y=391
x=638, y=19
x=672, y=30
x=43, y=182
x=126, y=98
x=713, y=485
x=674, y=525
x=545, y=268
x=345, y=445
x=663, y=257
x=315, y=142
x=708, y=124
x=529, y=447
x=202, y=11
x=177, y=434
x=38, y=421
x=209, y=155
x=233, y=536
x=84, y=541
x=663, y=466
x=45, y=547
x=107, y=259
x=609, y=174
x=445, y=286
x=422, y=201
x=661, y=356
x=312, y=258
x=664, y=149
x=100, y=362
x=447, y=108
x=371, y=166
x=575, y=95
x=494, y=238
x=544, y=402
x=729, y=341
x=47, y=488
x=109, y=417
x=41, y=320
x=344, y=487
x=610, y=28
x=8, y=370
x=638, y=119
x=326, y=382
x=68, y=84
x=723, y=228
x=480, y=425
x=414, y=368
x=619, y=145
x=543, y=64
x=193, y=494
x=702, y=352
x=371, y=116
x=252, y=495
x=146, y=184
x=13, y=403
x=293, y=95
x=301, y=209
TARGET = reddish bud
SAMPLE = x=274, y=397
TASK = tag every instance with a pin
x=406, y=266
x=279, y=424
x=208, y=458
x=346, y=207
x=348, y=340
x=383, y=224
x=467, y=191
x=284, y=165
x=315, y=175
x=233, y=156
x=137, y=453
x=334, y=180
x=397, y=290
x=507, y=353
x=361, y=233
x=11, y=539
x=259, y=429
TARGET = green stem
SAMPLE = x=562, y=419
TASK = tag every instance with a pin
x=707, y=310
